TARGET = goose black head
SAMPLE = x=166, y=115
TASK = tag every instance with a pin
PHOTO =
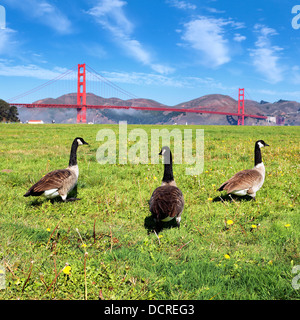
x=80, y=141
x=261, y=144
x=166, y=152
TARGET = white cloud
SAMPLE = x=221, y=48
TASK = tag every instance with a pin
x=7, y=42
x=206, y=35
x=30, y=70
x=276, y=94
x=111, y=16
x=46, y=13
x=136, y=49
x=213, y=10
x=162, y=69
x=184, y=5
x=265, y=57
x=149, y=79
x=238, y=37
x=295, y=75
x=210, y=37
x=52, y=16
x=142, y=78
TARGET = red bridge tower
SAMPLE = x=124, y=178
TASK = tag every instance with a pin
x=81, y=94
x=241, y=107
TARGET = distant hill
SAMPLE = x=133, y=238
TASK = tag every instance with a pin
x=213, y=102
x=92, y=99
x=289, y=109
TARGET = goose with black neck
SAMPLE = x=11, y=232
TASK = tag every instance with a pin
x=59, y=182
x=167, y=201
x=248, y=182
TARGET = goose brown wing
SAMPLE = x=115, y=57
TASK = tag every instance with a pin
x=52, y=180
x=166, y=201
x=242, y=180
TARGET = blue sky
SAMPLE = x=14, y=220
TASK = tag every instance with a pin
x=167, y=50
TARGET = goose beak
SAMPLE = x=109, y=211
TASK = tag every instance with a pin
x=86, y=143
x=160, y=154
x=267, y=145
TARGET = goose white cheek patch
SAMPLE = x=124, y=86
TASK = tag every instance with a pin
x=260, y=145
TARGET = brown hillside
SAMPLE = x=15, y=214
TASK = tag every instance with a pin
x=213, y=102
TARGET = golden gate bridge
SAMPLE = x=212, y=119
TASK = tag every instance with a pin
x=82, y=106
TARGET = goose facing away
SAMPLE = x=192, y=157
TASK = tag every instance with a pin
x=166, y=202
x=59, y=182
x=248, y=182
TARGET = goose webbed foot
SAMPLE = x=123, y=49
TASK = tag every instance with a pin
x=72, y=199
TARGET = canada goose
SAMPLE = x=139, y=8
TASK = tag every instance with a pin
x=167, y=201
x=248, y=182
x=59, y=182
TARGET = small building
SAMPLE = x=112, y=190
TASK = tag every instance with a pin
x=35, y=122
x=271, y=119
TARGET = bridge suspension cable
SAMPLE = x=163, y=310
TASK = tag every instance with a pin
x=111, y=84
x=59, y=77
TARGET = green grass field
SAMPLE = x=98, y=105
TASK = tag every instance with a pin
x=223, y=250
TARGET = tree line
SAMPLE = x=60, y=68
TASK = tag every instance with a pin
x=8, y=113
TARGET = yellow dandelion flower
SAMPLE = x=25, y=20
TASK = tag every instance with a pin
x=83, y=245
x=210, y=199
x=67, y=270
x=253, y=226
x=48, y=229
x=226, y=256
x=154, y=178
x=229, y=222
x=287, y=225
